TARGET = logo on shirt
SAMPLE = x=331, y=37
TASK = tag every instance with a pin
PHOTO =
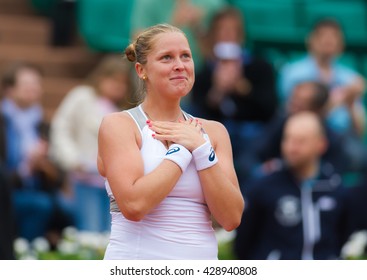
x=288, y=211
x=212, y=154
x=173, y=150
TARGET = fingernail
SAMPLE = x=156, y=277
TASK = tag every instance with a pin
x=153, y=135
x=148, y=121
x=150, y=125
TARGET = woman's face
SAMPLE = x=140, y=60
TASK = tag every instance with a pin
x=169, y=69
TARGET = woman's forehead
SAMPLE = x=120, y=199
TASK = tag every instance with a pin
x=170, y=41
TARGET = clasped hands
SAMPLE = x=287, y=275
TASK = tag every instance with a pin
x=188, y=133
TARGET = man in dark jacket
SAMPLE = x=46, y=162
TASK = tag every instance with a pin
x=298, y=211
x=307, y=96
x=357, y=207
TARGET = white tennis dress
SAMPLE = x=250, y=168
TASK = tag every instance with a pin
x=178, y=228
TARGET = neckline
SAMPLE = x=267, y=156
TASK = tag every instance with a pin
x=165, y=147
x=146, y=117
x=142, y=111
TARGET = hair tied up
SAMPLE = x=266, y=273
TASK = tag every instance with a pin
x=130, y=53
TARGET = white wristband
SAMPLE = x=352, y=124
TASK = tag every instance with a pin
x=179, y=155
x=204, y=156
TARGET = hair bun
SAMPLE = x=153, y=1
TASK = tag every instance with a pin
x=130, y=53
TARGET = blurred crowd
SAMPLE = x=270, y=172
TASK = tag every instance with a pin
x=297, y=134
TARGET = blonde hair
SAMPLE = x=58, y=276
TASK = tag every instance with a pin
x=139, y=49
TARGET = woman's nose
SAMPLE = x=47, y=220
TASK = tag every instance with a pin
x=178, y=65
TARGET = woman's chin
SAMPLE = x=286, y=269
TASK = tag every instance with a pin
x=179, y=93
x=182, y=94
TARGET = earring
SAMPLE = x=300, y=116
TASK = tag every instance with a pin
x=144, y=77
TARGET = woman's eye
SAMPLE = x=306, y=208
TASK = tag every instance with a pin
x=186, y=55
x=166, y=57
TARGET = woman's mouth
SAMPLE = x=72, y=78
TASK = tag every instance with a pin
x=179, y=78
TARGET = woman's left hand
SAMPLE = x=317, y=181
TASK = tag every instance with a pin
x=186, y=133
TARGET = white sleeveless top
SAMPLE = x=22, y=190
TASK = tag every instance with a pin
x=178, y=228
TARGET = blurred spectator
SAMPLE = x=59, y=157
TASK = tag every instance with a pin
x=6, y=221
x=74, y=132
x=306, y=96
x=296, y=212
x=357, y=207
x=192, y=16
x=235, y=88
x=34, y=179
x=325, y=44
x=6, y=209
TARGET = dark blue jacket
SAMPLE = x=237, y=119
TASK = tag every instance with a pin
x=288, y=219
x=357, y=207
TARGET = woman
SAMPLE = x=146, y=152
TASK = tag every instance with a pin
x=74, y=137
x=163, y=177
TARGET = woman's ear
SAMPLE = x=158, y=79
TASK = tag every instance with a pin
x=139, y=70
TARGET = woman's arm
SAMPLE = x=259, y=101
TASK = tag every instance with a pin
x=219, y=182
x=120, y=161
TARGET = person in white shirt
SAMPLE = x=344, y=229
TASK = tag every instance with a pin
x=167, y=172
x=74, y=136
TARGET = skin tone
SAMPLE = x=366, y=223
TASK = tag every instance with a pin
x=27, y=90
x=172, y=60
x=325, y=44
x=169, y=73
x=302, y=98
x=303, y=144
x=228, y=74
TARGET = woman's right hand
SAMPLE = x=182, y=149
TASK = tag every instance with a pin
x=186, y=133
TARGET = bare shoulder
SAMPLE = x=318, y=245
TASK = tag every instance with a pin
x=213, y=125
x=119, y=124
x=119, y=142
x=114, y=122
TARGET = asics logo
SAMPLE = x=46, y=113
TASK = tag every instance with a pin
x=173, y=150
x=212, y=155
